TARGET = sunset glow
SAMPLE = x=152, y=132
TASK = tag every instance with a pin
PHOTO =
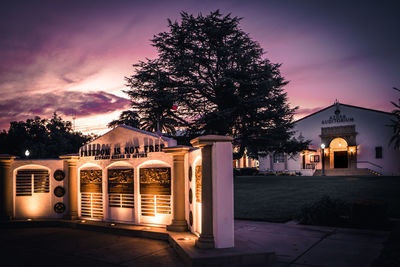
x=73, y=57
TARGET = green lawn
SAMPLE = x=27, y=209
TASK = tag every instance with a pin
x=280, y=198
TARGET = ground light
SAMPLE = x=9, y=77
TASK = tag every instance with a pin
x=185, y=238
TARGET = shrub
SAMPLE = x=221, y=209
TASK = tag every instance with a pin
x=325, y=211
x=246, y=171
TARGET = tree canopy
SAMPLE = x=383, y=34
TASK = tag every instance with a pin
x=127, y=117
x=44, y=138
x=220, y=80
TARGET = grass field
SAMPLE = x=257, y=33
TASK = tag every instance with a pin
x=280, y=198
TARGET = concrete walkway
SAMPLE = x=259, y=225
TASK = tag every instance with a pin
x=60, y=246
x=65, y=243
x=300, y=245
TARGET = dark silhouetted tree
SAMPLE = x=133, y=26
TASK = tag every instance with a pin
x=221, y=81
x=151, y=96
x=128, y=117
x=395, y=140
x=44, y=138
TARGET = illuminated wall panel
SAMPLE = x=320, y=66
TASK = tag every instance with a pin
x=91, y=194
x=198, y=183
x=155, y=191
x=120, y=188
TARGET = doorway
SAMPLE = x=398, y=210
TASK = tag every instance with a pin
x=340, y=159
x=338, y=154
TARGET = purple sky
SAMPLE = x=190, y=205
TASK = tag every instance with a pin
x=72, y=56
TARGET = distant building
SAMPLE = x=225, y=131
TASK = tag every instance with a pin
x=356, y=141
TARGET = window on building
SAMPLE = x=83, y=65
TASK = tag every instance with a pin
x=314, y=158
x=279, y=158
x=378, y=152
x=26, y=180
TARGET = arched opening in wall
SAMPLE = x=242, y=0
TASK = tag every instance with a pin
x=91, y=190
x=120, y=188
x=32, y=192
x=338, y=153
x=155, y=192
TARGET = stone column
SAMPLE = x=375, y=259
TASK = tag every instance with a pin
x=72, y=191
x=6, y=188
x=179, y=223
x=206, y=143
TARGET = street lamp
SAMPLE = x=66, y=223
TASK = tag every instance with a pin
x=27, y=153
x=323, y=159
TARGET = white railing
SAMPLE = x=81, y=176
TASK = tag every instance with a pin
x=370, y=165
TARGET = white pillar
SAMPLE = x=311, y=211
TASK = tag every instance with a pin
x=6, y=187
x=217, y=188
x=223, y=210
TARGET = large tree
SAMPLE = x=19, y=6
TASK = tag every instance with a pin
x=395, y=140
x=127, y=117
x=152, y=97
x=44, y=138
x=221, y=81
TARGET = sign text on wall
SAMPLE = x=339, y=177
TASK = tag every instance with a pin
x=337, y=119
x=104, y=151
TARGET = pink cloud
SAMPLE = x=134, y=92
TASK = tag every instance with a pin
x=64, y=103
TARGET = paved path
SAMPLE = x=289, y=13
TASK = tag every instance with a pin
x=57, y=246
x=299, y=245
x=294, y=245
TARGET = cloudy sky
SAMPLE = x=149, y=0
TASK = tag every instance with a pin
x=72, y=56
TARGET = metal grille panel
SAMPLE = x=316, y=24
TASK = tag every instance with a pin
x=25, y=179
x=92, y=205
x=121, y=200
x=155, y=204
x=41, y=182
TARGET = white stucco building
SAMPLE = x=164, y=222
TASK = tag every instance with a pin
x=356, y=141
x=129, y=176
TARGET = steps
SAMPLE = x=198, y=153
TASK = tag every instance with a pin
x=347, y=172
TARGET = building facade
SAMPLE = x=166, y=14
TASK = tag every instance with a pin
x=345, y=140
x=129, y=176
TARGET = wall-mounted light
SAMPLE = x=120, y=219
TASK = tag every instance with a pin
x=352, y=150
x=27, y=153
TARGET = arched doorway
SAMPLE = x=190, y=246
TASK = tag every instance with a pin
x=120, y=188
x=338, y=153
x=155, y=192
x=91, y=192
